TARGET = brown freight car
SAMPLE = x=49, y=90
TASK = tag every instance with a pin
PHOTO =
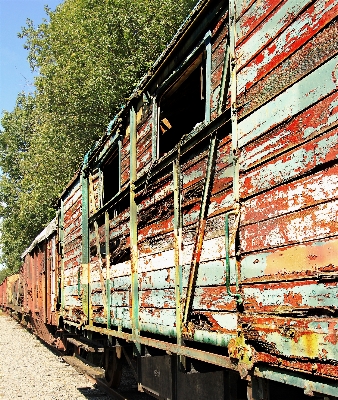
x=3, y=298
x=39, y=277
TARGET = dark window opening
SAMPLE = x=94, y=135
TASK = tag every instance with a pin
x=182, y=107
x=111, y=177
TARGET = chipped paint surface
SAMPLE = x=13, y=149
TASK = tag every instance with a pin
x=157, y=262
x=289, y=41
x=301, y=95
x=277, y=21
x=73, y=272
x=318, y=257
x=288, y=185
x=283, y=262
x=291, y=164
x=289, y=297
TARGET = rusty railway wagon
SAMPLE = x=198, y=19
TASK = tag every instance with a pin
x=200, y=234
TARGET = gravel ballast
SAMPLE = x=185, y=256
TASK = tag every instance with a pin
x=29, y=370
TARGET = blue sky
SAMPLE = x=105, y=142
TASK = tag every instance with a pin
x=15, y=74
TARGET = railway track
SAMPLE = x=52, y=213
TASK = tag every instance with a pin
x=31, y=369
x=96, y=376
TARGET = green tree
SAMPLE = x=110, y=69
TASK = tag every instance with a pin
x=15, y=139
x=89, y=55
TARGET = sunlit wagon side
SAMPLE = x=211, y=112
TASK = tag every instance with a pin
x=208, y=209
x=287, y=116
x=200, y=234
x=70, y=253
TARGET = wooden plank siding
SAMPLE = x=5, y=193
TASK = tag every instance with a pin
x=203, y=224
x=119, y=301
x=263, y=78
x=72, y=252
x=287, y=110
x=272, y=91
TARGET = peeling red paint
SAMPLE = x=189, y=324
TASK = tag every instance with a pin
x=293, y=40
x=283, y=254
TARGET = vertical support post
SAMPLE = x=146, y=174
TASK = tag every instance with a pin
x=106, y=220
x=119, y=144
x=233, y=69
x=258, y=389
x=52, y=277
x=234, y=117
x=207, y=39
x=178, y=247
x=224, y=82
x=101, y=185
x=25, y=273
x=133, y=231
x=79, y=282
x=154, y=134
x=178, y=224
x=61, y=238
x=85, y=279
x=33, y=280
x=98, y=252
x=228, y=244
x=45, y=293
x=43, y=281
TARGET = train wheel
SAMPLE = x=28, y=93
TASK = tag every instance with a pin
x=113, y=366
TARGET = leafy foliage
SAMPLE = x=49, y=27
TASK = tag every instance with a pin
x=89, y=55
x=15, y=139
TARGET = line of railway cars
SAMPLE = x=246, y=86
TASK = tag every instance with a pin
x=199, y=236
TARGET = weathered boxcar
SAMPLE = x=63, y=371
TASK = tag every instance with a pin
x=39, y=277
x=207, y=214
x=11, y=293
x=202, y=228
